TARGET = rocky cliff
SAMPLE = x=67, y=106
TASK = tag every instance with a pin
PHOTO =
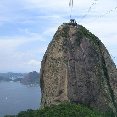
x=78, y=68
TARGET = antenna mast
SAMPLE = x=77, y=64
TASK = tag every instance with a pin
x=71, y=7
x=72, y=21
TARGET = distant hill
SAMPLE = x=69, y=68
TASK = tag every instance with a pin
x=12, y=76
x=31, y=78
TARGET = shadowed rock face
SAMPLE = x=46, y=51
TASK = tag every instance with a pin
x=78, y=68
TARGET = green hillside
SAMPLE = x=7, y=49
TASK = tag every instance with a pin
x=63, y=110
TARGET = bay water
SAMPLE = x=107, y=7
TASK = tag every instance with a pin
x=15, y=97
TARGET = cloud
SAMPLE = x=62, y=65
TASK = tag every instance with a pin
x=34, y=62
x=27, y=27
x=44, y=3
x=14, y=55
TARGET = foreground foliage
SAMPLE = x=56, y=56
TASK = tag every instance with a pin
x=62, y=110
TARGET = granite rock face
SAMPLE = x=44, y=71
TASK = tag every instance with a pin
x=78, y=68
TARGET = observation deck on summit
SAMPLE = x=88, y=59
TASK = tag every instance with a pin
x=73, y=22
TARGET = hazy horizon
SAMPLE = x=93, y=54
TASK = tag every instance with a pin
x=17, y=72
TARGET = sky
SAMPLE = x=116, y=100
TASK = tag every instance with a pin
x=28, y=26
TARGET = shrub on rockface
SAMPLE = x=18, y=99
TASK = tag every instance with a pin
x=63, y=110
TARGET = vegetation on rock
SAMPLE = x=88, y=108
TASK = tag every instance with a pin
x=63, y=110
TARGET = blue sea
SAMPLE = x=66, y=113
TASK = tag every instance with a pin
x=15, y=97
